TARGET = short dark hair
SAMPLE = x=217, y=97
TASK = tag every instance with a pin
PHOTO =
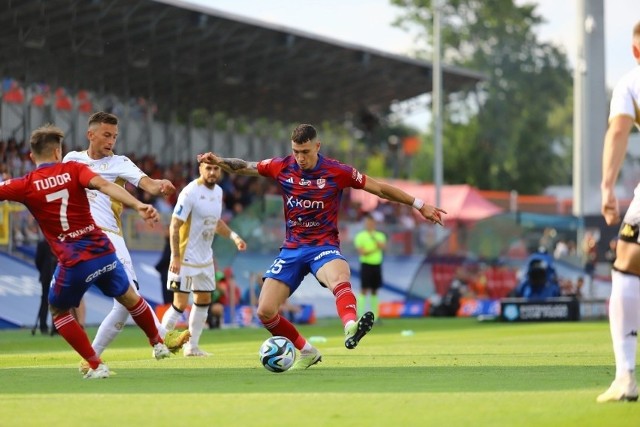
x=303, y=133
x=102, y=117
x=45, y=139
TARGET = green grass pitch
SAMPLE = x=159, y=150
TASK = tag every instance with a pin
x=449, y=372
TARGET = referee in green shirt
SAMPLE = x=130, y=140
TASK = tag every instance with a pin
x=370, y=244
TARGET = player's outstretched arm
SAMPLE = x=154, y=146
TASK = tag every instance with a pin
x=223, y=229
x=157, y=187
x=230, y=165
x=148, y=212
x=394, y=194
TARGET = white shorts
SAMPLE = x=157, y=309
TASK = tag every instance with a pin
x=193, y=280
x=123, y=254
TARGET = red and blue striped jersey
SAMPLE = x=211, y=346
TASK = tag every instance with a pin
x=311, y=197
x=55, y=195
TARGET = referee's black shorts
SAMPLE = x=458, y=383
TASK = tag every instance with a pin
x=371, y=276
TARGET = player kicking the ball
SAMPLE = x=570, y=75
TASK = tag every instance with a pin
x=55, y=194
x=311, y=186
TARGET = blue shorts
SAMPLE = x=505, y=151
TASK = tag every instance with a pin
x=293, y=264
x=71, y=283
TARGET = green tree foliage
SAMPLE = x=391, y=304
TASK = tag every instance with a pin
x=499, y=137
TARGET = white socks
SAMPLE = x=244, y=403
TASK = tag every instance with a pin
x=113, y=324
x=197, y=319
x=110, y=327
x=624, y=320
x=170, y=318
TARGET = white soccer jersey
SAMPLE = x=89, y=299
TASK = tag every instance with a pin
x=200, y=208
x=117, y=169
x=625, y=99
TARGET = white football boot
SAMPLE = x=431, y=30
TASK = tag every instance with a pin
x=621, y=389
x=102, y=371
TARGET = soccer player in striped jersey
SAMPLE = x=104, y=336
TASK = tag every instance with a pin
x=194, y=224
x=311, y=186
x=102, y=134
x=55, y=195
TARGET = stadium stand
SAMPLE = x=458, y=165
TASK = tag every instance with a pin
x=183, y=57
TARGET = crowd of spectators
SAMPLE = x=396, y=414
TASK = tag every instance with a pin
x=14, y=162
x=239, y=191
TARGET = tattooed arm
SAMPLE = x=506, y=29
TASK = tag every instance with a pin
x=239, y=166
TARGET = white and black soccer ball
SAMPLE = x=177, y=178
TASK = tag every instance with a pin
x=277, y=354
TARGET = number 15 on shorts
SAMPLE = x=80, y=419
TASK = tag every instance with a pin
x=276, y=267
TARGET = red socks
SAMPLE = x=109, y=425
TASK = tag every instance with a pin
x=77, y=338
x=345, y=302
x=347, y=310
x=279, y=326
x=141, y=314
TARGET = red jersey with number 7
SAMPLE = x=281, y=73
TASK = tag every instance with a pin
x=55, y=195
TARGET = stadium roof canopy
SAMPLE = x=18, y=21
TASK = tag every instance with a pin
x=183, y=56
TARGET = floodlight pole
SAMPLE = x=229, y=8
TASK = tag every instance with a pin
x=589, y=116
x=436, y=106
x=436, y=103
x=578, y=128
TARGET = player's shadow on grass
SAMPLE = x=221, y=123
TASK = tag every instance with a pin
x=419, y=379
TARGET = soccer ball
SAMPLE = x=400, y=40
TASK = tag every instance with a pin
x=277, y=354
